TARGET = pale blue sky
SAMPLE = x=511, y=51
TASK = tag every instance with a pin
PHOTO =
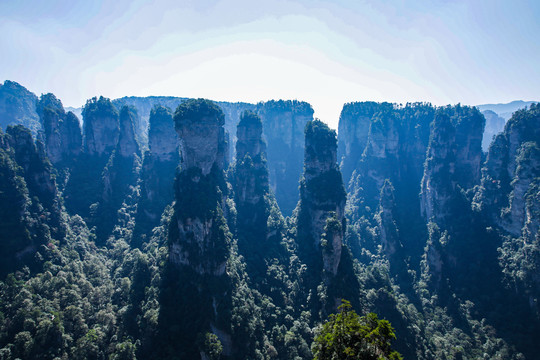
x=324, y=52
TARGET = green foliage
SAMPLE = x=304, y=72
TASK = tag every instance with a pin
x=249, y=118
x=211, y=346
x=349, y=336
x=98, y=107
x=193, y=110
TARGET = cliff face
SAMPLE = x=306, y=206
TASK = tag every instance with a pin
x=29, y=211
x=63, y=138
x=394, y=149
x=453, y=160
x=259, y=223
x=199, y=238
x=162, y=138
x=144, y=106
x=251, y=178
x=16, y=245
x=127, y=144
x=101, y=127
x=157, y=174
x=354, y=123
x=202, y=137
x=199, y=241
x=32, y=159
x=510, y=171
x=119, y=176
x=322, y=197
x=18, y=107
x=386, y=220
x=284, y=123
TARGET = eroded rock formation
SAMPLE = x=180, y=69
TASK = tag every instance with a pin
x=322, y=197
x=200, y=240
x=101, y=127
x=284, y=123
x=63, y=138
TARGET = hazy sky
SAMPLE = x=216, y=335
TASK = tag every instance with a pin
x=323, y=52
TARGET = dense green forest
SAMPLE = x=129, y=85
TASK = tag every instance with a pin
x=395, y=237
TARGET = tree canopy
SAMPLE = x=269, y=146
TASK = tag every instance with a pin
x=346, y=335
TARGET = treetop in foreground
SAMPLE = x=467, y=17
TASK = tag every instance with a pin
x=346, y=335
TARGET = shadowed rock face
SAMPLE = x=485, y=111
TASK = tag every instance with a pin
x=200, y=242
x=284, y=123
x=33, y=161
x=251, y=173
x=127, y=145
x=386, y=220
x=249, y=136
x=380, y=141
x=162, y=138
x=322, y=196
x=453, y=159
x=158, y=171
x=101, y=127
x=63, y=138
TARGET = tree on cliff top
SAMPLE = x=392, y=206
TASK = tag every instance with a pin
x=350, y=336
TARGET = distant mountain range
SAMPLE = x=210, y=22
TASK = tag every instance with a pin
x=505, y=110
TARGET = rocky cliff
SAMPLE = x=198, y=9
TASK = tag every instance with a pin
x=202, y=137
x=162, y=139
x=199, y=238
x=157, y=174
x=259, y=223
x=62, y=132
x=510, y=171
x=322, y=197
x=453, y=160
x=127, y=144
x=36, y=168
x=251, y=173
x=30, y=215
x=101, y=127
x=284, y=123
x=18, y=107
x=198, y=231
x=354, y=123
x=386, y=220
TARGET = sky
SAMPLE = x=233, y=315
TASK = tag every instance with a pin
x=324, y=52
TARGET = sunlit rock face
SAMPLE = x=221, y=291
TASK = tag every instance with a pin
x=510, y=175
x=62, y=132
x=322, y=196
x=101, y=127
